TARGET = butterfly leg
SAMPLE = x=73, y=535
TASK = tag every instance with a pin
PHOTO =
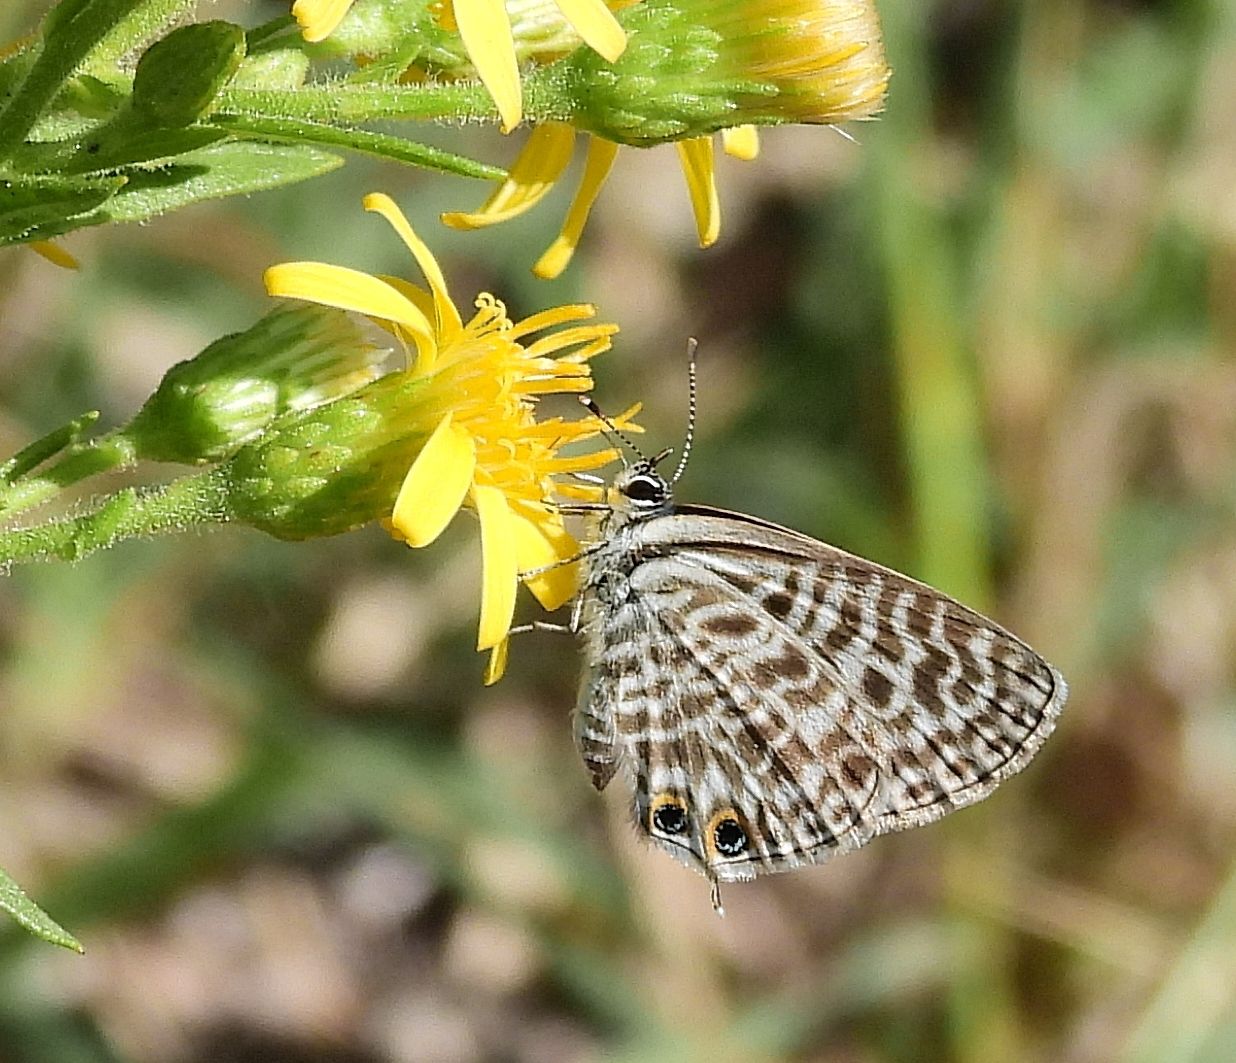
x=541, y=625
x=715, y=896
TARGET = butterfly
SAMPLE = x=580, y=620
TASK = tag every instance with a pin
x=776, y=700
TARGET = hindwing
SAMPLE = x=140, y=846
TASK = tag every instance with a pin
x=780, y=688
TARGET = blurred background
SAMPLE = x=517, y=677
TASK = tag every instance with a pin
x=989, y=342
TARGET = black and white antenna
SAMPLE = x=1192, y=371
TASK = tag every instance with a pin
x=611, y=430
x=689, y=438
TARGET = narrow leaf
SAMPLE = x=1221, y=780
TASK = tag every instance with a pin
x=33, y=455
x=71, y=31
x=14, y=901
x=226, y=169
x=49, y=206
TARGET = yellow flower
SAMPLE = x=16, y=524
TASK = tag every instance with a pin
x=695, y=68
x=484, y=446
x=485, y=28
x=546, y=155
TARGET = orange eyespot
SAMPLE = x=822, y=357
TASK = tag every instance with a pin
x=668, y=814
x=726, y=836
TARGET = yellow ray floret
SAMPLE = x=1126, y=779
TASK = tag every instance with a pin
x=484, y=26
x=318, y=18
x=475, y=410
x=544, y=159
x=54, y=253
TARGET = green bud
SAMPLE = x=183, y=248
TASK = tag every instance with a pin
x=279, y=68
x=384, y=27
x=332, y=469
x=179, y=77
x=294, y=359
x=693, y=67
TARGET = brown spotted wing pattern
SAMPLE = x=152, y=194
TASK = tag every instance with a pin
x=777, y=700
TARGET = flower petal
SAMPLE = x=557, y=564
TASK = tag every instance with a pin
x=495, y=667
x=499, y=570
x=347, y=289
x=600, y=160
x=54, y=253
x=449, y=322
x=596, y=24
x=486, y=32
x=540, y=164
x=698, y=168
x=414, y=293
x=436, y=485
x=741, y=142
x=318, y=18
x=544, y=544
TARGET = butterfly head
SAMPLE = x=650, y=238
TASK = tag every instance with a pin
x=639, y=491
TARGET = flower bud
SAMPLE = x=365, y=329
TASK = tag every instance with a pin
x=693, y=67
x=330, y=469
x=294, y=359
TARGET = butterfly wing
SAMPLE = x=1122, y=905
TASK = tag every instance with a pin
x=827, y=699
x=724, y=781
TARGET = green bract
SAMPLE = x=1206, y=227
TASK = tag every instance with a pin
x=294, y=359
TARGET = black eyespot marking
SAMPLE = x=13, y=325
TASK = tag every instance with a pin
x=670, y=819
x=645, y=489
x=729, y=837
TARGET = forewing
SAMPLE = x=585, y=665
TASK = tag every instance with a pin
x=861, y=665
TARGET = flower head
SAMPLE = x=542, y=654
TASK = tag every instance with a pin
x=695, y=68
x=461, y=421
x=485, y=27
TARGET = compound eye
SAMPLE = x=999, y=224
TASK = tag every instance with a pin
x=645, y=489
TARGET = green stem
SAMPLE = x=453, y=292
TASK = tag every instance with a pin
x=941, y=402
x=85, y=459
x=182, y=504
x=379, y=144
x=941, y=428
x=261, y=34
x=339, y=104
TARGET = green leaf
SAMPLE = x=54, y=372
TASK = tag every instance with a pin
x=71, y=32
x=33, y=455
x=229, y=169
x=178, y=78
x=49, y=206
x=113, y=148
x=14, y=901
